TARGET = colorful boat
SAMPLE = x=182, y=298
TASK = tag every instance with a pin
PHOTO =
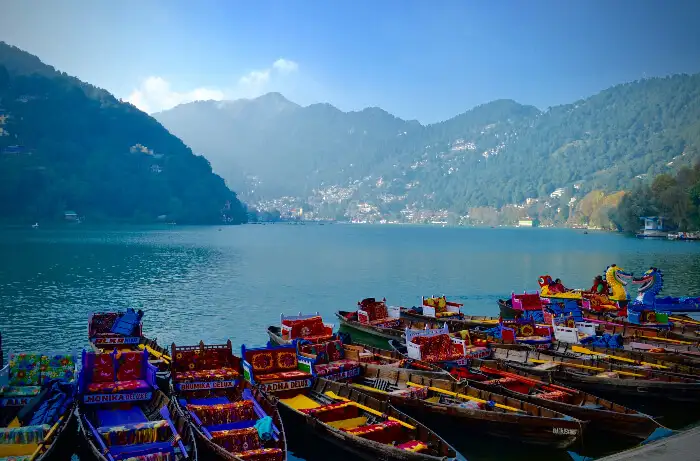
x=439, y=308
x=673, y=362
x=37, y=421
x=607, y=378
x=461, y=404
x=123, y=415
x=123, y=331
x=231, y=419
x=377, y=319
x=652, y=282
x=309, y=327
x=275, y=369
x=603, y=415
x=366, y=427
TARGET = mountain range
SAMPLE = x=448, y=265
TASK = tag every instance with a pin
x=70, y=150
x=373, y=165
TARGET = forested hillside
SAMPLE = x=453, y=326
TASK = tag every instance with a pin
x=68, y=146
x=496, y=155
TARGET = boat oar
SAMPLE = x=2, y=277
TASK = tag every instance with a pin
x=47, y=438
x=463, y=396
x=684, y=320
x=583, y=350
x=586, y=367
x=159, y=355
x=335, y=396
x=658, y=338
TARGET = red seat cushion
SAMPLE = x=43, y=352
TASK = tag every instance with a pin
x=282, y=376
x=118, y=386
x=237, y=440
x=132, y=385
x=130, y=366
x=221, y=374
x=103, y=368
x=107, y=387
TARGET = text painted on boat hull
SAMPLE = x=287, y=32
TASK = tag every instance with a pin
x=117, y=340
x=205, y=385
x=286, y=385
x=15, y=401
x=111, y=398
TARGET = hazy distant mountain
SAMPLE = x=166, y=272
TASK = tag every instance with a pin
x=495, y=154
x=289, y=148
x=66, y=145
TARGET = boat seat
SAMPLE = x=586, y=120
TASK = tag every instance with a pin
x=223, y=413
x=333, y=411
x=348, y=423
x=136, y=433
x=300, y=402
x=387, y=322
x=118, y=386
x=336, y=366
x=262, y=454
x=19, y=391
x=557, y=396
x=218, y=374
x=23, y=435
x=282, y=376
x=237, y=440
x=384, y=432
x=413, y=445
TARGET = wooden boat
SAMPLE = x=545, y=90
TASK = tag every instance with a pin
x=460, y=322
x=485, y=411
x=36, y=405
x=397, y=359
x=37, y=418
x=604, y=415
x=224, y=410
x=676, y=332
x=122, y=413
x=302, y=326
x=393, y=328
x=604, y=377
x=128, y=337
x=669, y=361
x=362, y=425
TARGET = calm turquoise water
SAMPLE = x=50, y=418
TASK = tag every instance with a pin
x=231, y=283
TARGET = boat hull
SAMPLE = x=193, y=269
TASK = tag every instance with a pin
x=386, y=333
x=359, y=447
x=550, y=432
x=65, y=441
x=638, y=426
x=90, y=448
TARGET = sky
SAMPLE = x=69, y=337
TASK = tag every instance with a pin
x=418, y=59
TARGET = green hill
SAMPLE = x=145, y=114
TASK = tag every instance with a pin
x=66, y=145
x=501, y=153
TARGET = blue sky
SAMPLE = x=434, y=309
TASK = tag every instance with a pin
x=425, y=60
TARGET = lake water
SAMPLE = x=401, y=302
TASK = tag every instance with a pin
x=214, y=284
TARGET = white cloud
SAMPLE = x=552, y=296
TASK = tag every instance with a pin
x=285, y=65
x=155, y=94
